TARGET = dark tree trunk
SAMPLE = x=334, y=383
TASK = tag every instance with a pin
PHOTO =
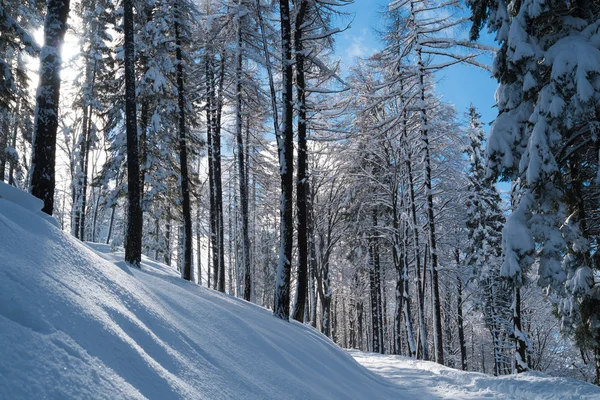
x=422, y=348
x=437, y=308
x=375, y=288
x=111, y=223
x=167, y=254
x=133, y=242
x=85, y=160
x=211, y=170
x=302, y=175
x=4, y=133
x=46, y=108
x=243, y=182
x=285, y=142
x=220, y=250
x=521, y=345
x=183, y=164
x=459, y=311
x=13, y=143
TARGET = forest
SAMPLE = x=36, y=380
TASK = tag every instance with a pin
x=226, y=139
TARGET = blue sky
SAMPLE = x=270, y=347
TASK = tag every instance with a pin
x=459, y=85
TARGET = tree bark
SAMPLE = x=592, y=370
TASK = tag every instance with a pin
x=286, y=158
x=47, y=100
x=461, y=329
x=302, y=174
x=133, y=242
x=183, y=163
x=243, y=184
x=436, y=312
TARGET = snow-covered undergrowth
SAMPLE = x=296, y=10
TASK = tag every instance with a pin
x=426, y=380
x=76, y=325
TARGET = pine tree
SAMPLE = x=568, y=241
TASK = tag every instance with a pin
x=547, y=103
x=484, y=223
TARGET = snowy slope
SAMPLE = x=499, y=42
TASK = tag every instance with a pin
x=426, y=380
x=75, y=325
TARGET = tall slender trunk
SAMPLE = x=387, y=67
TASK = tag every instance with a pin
x=436, y=312
x=460, y=320
x=375, y=286
x=167, y=255
x=13, y=144
x=302, y=174
x=312, y=262
x=4, y=133
x=46, y=108
x=402, y=291
x=422, y=348
x=133, y=243
x=285, y=142
x=210, y=103
x=183, y=163
x=218, y=107
x=243, y=184
x=95, y=215
x=521, y=344
x=85, y=161
x=111, y=223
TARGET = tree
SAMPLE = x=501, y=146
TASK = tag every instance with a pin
x=547, y=105
x=133, y=243
x=183, y=160
x=484, y=223
x=285, y=145
x=46, y=110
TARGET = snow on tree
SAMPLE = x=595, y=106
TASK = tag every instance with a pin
x=547, y=102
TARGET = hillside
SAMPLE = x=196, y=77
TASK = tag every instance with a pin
x=74, y=325
x=76, y=322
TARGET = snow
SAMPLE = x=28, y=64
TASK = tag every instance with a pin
x=76, y=322
x=426, y=380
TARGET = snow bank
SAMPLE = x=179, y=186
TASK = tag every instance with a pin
x=74, y=325
x=426, y=380
x=24, y=200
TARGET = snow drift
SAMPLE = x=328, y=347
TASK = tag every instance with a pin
x=76, y=325
x=76, y=322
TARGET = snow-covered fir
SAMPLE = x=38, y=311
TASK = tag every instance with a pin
x=216, y=198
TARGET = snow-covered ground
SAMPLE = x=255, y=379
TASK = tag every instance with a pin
x=77, y=323
x=426, y=380
x=74, y=324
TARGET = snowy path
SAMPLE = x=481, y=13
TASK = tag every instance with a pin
x=425, y=380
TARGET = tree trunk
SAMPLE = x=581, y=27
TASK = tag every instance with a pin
x=4, y=133
x=422, y=348
x=167, y=254
x=211, y=169
x=13, y=143
x=521, y=344
x=133, y=242
x=285, y=144
x=243, y=184
x=46, y=108
x=302, y=174
x=220, y=250
x=437, y=309
x=185, y=191
x=111, y=223
x=461, y=329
